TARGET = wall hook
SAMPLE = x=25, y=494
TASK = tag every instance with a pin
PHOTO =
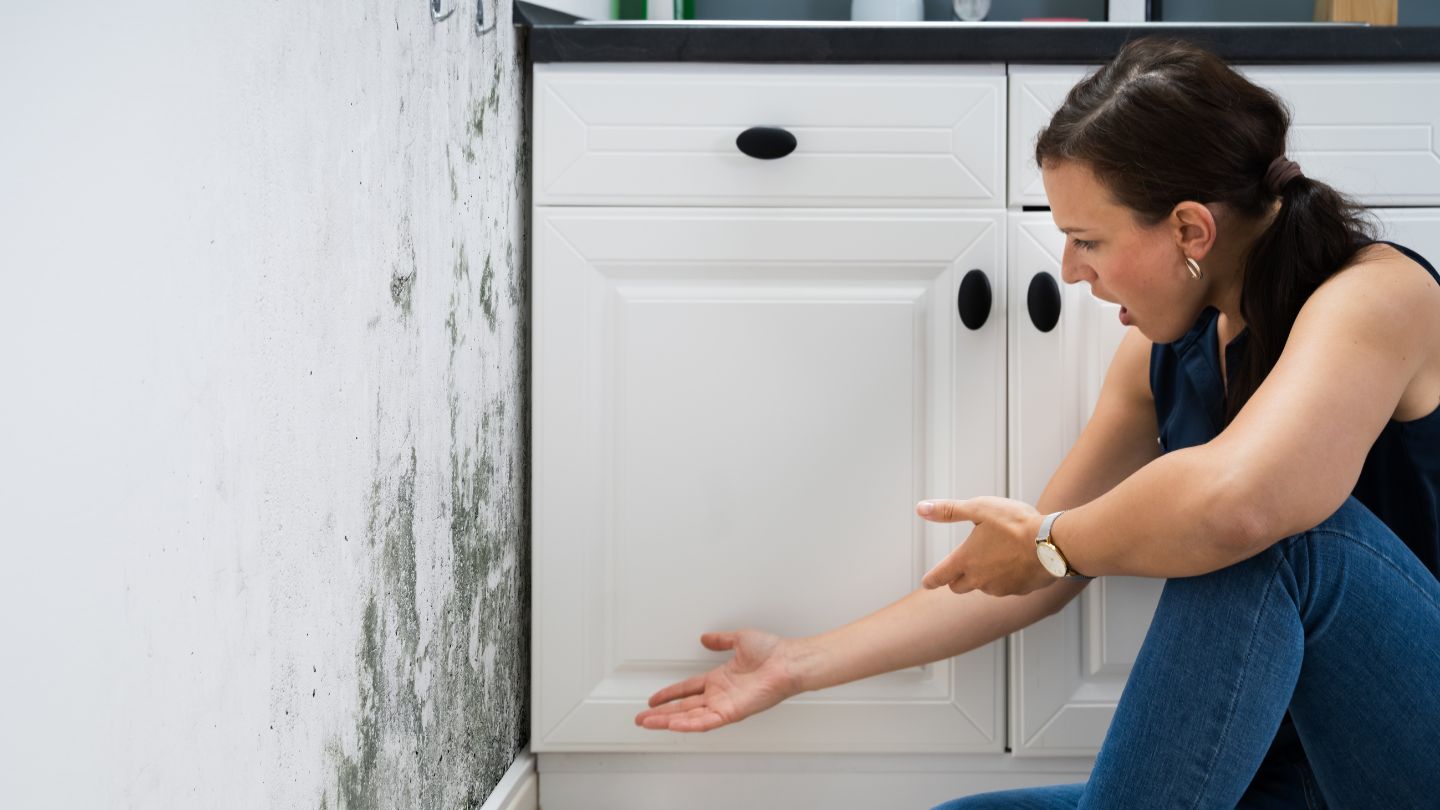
x=440, y=10
x=480, y=26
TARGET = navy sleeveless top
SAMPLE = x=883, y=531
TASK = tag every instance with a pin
x=1400, y=480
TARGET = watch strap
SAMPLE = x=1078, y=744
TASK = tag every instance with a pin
x=1043, y=536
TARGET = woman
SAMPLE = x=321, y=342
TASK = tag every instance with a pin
x=1292, y=500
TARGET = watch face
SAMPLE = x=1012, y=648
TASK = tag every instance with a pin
x=1051, y=559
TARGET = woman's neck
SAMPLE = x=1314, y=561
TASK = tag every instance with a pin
x=1225, y=266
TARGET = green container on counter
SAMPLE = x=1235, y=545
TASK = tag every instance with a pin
x=636, y=9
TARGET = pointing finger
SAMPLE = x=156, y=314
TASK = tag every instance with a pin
x=947, y=510
x=690, y=686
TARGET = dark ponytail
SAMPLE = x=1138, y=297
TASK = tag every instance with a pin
x=1166, y=122
x=1316, y=232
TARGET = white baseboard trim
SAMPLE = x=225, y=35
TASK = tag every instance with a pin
x=841, y=781
x=519, y=788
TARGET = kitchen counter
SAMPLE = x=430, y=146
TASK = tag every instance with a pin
x=559, y=37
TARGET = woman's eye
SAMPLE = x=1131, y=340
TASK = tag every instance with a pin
x=1082, y=244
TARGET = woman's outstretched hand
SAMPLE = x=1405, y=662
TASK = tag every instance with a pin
x=760, y=674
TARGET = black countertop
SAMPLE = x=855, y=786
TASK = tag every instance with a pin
x=558, y=37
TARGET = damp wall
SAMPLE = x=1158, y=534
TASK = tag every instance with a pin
x=263, y=404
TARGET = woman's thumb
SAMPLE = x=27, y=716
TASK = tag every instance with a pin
x=718, y=641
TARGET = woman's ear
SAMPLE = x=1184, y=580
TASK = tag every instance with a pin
x=1193, y=226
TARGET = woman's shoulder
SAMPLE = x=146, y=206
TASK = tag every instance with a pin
x=1386, y=299
x=1380, y=294
x=1383, y=278
x=1389, y=257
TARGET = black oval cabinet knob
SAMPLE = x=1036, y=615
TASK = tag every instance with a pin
x=766, y=143
x=974, y=299
x=1043, y=301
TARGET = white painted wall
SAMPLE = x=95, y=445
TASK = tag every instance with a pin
x=263, y=366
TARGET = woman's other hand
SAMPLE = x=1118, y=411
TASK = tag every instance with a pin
x=998, y=557
x=760, y=674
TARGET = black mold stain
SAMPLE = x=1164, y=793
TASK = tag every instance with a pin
x=477, y=120
x=462, y=263
x=435, y=727
x=493, y=100
x=356, y=776
x=401, y=283
x=400, y=287
x=514, y=295
x=388, y=658
x=487, y=292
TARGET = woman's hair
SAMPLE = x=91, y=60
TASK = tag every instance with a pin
x=1166, y=122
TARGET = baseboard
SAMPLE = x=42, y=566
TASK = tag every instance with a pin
x=724, y=781
x=519, y=788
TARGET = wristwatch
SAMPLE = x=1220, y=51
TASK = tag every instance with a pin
x=1049, y=553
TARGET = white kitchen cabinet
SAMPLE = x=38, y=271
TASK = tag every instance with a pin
x=746, y=372
x=739, y=409
x=1368, y=130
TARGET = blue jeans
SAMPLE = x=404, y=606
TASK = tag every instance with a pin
x=1340, y=625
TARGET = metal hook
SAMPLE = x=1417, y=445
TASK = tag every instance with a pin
x=480, y=27
x=438, y=12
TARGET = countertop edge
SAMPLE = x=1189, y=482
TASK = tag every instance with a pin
x=554, y=37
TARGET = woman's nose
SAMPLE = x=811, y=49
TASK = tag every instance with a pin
x=1072, y=271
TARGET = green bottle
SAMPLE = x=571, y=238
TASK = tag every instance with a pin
x=627, y=9
x=636, y=9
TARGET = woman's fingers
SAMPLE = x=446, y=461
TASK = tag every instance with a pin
x=718, y=641
x=693, y=685
x=684, y=712
x=674, y=707
x=948, y=510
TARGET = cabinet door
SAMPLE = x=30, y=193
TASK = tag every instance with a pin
x=1067, y=670
x=1368, y=130
x=734, y=414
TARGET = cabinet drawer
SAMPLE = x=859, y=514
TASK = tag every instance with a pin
x=1368, y=130
x=866, y=135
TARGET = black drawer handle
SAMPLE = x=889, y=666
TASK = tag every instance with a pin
x=974, y=300
x=766, y=143
x=1043, y=301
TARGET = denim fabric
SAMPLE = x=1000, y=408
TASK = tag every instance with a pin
x=1339, y=624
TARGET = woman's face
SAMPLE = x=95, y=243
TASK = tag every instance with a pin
x=1141, y=268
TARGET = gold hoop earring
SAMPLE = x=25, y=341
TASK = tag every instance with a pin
x=1194, y=268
